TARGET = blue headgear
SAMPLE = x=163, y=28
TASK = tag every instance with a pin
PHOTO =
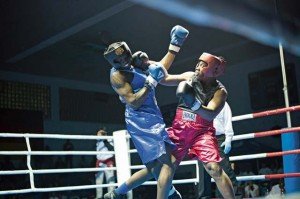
x=118, y=55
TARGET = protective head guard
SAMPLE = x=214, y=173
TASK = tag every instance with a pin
x=215, y=65
x=118, y=55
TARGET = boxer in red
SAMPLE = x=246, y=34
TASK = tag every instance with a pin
x=202, y=97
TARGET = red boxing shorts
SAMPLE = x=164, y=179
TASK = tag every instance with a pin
x=194, y=136
x=108, y=162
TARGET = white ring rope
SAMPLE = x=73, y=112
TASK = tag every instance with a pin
x=55, y=152
x=44, y=171
x=67, y=188
x=56, y=136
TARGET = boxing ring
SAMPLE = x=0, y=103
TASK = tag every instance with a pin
x=122, y=153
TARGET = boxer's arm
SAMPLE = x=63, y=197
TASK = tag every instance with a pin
x=122, y=86
x=174, y=80
x=178, y=35
x=167, y=60
x=214, y=106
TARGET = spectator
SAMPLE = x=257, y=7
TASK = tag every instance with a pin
x=245, y=170
x=264, y=170
x=104, y=160
x=264, y=188
x=68, y=146
x=251, y=190
x=277, y=190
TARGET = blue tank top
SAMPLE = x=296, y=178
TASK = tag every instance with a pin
x=138, y=81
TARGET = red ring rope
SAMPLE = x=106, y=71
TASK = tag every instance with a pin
x=283, y=175
x=276, y=132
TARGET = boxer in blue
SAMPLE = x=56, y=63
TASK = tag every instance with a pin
x=144, y=122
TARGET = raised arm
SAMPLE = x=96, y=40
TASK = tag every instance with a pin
x=178, y=35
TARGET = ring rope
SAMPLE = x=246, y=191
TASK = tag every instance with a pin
x=265, y=177
x=282, y=175
x=263, y=155
x=55, y=152
x=232, y=158
x=55, y=136
x=265, y=113
x=183, y=163
x=43, y=171
x=69, y=188
x=237, y=137
x=132, y=151
x=265, y=133
x=51, y=189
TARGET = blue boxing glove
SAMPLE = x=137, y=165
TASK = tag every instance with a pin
x=178, y=35
x=186, y=92
x=156, y=73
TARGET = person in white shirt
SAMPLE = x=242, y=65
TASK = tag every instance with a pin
x=104, y=160
x=224, y=134
x=251, y=190
x=277, y=189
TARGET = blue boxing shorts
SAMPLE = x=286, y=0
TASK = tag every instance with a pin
x=148, y=134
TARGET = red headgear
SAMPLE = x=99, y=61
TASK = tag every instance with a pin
x=215, y=65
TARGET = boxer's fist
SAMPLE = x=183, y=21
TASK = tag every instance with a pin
x=187, y=94
x=156, y=73
x=178, y=35
x=140, y=60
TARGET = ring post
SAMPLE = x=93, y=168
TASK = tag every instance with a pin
x=291, y=163
x=122, y=156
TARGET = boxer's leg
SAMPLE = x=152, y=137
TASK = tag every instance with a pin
x=222, y=180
